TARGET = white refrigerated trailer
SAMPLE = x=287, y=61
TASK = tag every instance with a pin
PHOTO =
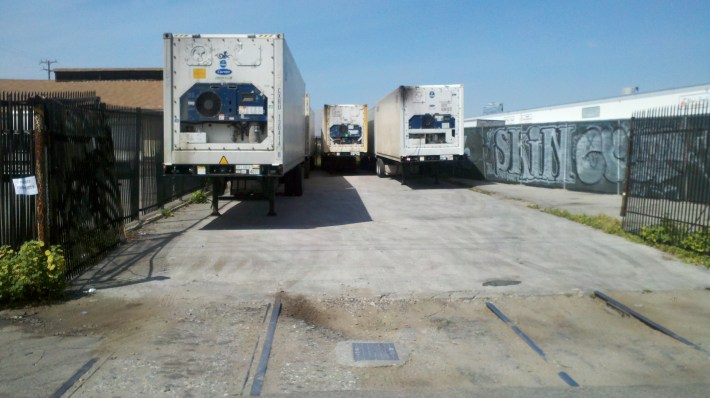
x=309, y=164
x=344, y=135
x=418, y=126
x=234, y=111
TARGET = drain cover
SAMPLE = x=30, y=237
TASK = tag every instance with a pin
x=501, y=282
x=371, y=354
x=374, y=352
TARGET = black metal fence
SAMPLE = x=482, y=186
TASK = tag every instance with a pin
x=17, y=212
x=137, y=135
x=18, y=218
x=83, y=205
x=668, y=175
x=99, y=167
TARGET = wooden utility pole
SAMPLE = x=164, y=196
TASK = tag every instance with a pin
x=49, y=67
x=39, y=135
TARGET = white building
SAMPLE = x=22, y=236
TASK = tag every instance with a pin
x=616, y=108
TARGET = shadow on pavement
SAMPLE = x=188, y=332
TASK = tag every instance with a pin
x=423, y=181
x=326, y=202
x=428, y=182
x=133, y=261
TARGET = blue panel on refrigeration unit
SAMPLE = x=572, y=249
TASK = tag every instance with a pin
x=429, y=121
x=205, y=102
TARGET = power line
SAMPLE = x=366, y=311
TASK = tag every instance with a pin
x=48, y=68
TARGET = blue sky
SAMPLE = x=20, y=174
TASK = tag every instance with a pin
x=524, y=54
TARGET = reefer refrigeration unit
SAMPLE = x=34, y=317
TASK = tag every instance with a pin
x=418, y=126
x=345, y=135
x=234, y=110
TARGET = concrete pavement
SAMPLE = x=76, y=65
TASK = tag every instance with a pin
x=179, y=310
x=548, y=198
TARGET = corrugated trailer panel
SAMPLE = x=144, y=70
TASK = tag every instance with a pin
x=293, y=101
x=389, y=125
x=310, y=128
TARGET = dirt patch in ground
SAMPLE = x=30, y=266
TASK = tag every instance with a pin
x=362, y=317
x=147, y=347
x=205, y=347
x=462, y=344
x=83, y=316
x=442, y=338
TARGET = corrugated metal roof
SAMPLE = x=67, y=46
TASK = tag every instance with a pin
x=145, y=94
x=620, y=98
x=105, y=69
x=78, y=74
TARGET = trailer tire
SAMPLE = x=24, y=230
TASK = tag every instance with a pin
x=293, y=181
x=298, y=181
x=380, y=168
x=288, y=183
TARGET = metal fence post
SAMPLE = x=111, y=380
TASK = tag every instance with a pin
x=627, y=177
x=136, y=203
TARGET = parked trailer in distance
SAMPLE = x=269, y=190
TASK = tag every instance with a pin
x=234, y=111
x=344, y=136
x=418, y=127
x=309, y=164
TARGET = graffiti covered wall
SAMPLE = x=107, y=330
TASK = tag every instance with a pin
x=578, y=156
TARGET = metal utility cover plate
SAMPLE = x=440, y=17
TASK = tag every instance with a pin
x=374, y=352
x=371, y=353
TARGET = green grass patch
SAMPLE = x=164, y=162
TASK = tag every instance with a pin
x=198, y=197
x=693, y=249
x=483, y=191
x=606, y=223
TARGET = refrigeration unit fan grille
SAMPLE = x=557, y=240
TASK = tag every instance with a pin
x=208, y=104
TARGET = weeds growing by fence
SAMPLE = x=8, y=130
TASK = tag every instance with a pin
x=33, y=273
x=669, y=233
x=198, y=197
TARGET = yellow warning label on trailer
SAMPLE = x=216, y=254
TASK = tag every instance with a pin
x=223, y=160
x=199, y=73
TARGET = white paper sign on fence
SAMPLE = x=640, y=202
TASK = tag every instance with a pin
x=25, y=186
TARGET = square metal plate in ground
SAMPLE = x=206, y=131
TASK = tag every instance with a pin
x=374, y=352
x=371, y=354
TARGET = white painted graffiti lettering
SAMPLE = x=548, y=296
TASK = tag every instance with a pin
x=549, y=154
x=534, y=154
x=600, y=153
